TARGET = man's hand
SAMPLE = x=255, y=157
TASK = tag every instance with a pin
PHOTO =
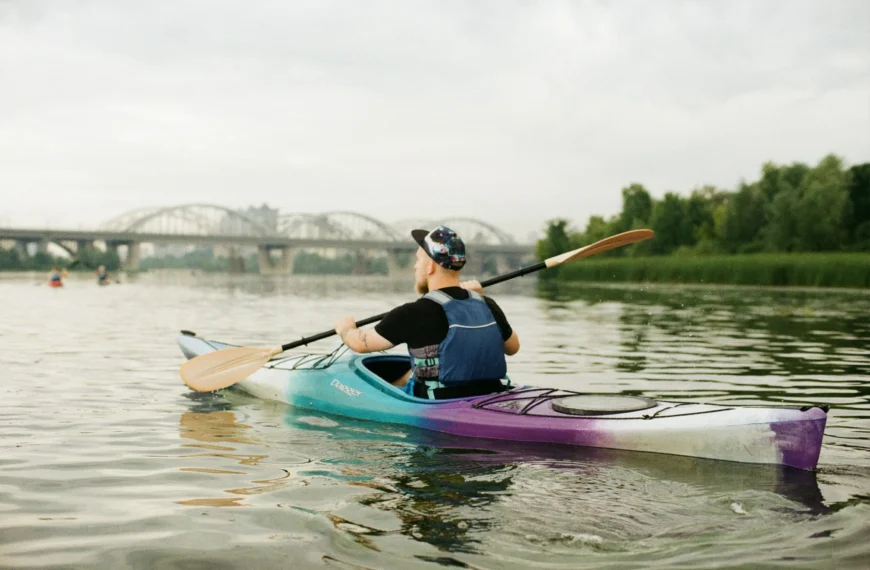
x=343, y=325
x=472, y=285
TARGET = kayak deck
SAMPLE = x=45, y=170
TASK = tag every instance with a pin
x=352, y=386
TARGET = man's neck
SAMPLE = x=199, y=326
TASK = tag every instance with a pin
x=440, y=281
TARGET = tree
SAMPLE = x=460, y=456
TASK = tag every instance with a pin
x=858, y=225
x=637, y=206
x=784, y=188
x=701, y=208
x=809, y=206
x=91, y=258
x=782, y=228
x=791, y=207
x=10, y=260
x=823, y=207
x=739, y=222
x=670, y=222
x=774, y=179
x=597, y=228
x=556, y=240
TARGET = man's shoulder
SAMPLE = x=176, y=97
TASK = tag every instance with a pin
x=457, y=293
x=404, y=307
x=426, y=304
x=413, y=307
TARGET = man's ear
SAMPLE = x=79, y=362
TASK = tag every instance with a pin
x=432, y=267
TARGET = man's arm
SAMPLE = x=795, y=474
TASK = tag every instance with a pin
x=360, y=340
x=512, y=345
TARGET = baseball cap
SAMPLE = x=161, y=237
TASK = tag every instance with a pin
x=443, y=245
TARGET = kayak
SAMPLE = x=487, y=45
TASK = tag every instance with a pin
x=353, y=385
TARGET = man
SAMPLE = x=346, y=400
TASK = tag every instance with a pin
x=102, y=275
x=55, y=279
x=457, y=338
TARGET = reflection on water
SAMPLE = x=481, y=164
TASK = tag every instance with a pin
x=108, y=461
x=453, y=492
x=221, y=436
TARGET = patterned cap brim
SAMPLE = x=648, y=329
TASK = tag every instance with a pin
x=419, y=237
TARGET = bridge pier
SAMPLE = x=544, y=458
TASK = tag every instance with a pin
x=83, y=244
x=237, y=262
x=504, y=264
x=395, y=266
x=361, y=263
x=283, y=266
x=264, y=260
x=131, y=262
x=21, y=248
x=288, y=258
x=473, y=266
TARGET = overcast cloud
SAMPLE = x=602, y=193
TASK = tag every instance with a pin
x=510, y=112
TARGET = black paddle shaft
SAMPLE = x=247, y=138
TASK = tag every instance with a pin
x=376, y=318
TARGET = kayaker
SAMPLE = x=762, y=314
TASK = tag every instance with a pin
x=56, y=277
x=457, y=338
x=102, y=275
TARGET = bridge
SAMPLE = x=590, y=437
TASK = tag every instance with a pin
x=277, y=238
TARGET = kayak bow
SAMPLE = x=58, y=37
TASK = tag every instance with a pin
x=353, y=386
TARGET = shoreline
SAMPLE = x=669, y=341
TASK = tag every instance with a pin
x=807, y=270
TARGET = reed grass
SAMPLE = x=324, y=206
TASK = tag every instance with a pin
x=778, y=269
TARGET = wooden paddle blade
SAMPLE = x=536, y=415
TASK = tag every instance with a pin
x=215, y=370
x=619, y=240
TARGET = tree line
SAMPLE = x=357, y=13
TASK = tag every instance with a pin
x=306, y=262
x=87, y=260
x=790, y=208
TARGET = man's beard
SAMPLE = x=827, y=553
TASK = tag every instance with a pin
x=421, y=288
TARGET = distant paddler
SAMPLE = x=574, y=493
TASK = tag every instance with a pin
x=57, y=276
x=102, y=276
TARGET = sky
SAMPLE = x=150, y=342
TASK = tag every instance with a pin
x=511, y=112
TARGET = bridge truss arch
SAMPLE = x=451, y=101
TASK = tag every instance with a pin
x=404, y=227
x=340, y=225
x=189, y=219
x=471, y=230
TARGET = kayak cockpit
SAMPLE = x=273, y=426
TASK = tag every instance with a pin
x=388, y=368
x=384, y=369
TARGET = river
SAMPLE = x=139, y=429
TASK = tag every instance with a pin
x=107, y=460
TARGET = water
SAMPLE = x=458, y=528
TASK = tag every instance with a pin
x=108, y=461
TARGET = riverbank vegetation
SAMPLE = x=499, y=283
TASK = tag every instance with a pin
x=803, y=269
x=202, y=259
x=795, y=225
x=306, y=262
x=88, y=260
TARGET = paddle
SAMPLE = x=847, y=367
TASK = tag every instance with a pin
x=222, y=368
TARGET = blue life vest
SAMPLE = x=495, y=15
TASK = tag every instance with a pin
x=473, y=349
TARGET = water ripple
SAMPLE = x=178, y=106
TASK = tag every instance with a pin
x=108, y=461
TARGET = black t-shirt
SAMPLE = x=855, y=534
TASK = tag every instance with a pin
x=423, y=323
